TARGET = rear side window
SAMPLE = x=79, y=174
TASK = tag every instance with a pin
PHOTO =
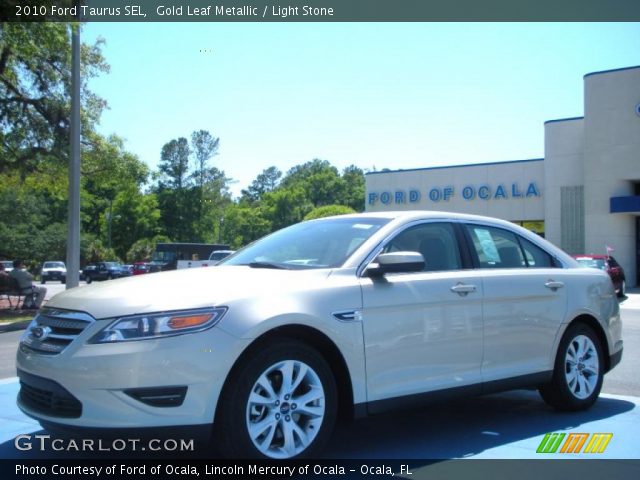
x=535, y=256
x=498, y=248
x=435, y=241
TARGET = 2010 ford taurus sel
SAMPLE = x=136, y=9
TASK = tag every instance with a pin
x=356, y=313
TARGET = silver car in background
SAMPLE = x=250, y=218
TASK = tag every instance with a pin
x=350, y=315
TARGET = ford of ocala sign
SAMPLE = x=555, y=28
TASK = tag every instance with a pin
x=469, y=193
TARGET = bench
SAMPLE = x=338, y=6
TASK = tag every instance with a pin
x=9, y=288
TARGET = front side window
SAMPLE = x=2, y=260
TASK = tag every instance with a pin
x=435, y=241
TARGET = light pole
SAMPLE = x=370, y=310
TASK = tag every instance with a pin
x=73, y=222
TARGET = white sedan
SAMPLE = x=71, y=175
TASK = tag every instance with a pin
x=353, y=314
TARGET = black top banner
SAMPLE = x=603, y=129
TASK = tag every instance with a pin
x=320, y=10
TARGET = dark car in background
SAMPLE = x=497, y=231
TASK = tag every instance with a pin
x=127, y=270
x=609, y=265
x=103, y=271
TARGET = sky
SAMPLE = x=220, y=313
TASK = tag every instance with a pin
x=377, y=95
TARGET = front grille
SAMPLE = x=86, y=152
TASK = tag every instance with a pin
x=52, y=330
x=47, y=397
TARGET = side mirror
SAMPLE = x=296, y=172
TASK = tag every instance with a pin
x=396, y=262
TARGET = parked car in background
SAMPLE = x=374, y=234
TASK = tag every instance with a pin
x=140, y=268
x=103, y=271
x=127, y=270
x=218, y=255
x=53, y=271
x=8, y=265
x=609, y=265
x=353, y=314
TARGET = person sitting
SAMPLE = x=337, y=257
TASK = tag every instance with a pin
x=33, y=295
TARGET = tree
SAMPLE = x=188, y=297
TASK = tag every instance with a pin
x=354, y=188
x=134, y=216
x=174, y=180
x=174, y=163
x=285, y=206
x=243, y=225
x=35, y=78
x=265, y=182
x=204, y=146
x=143, y=249
x=328, y=211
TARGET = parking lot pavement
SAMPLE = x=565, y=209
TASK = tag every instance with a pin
x=505, y=426
x=632, y=299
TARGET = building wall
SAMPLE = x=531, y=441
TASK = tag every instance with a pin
x=563, y=160
x=611, y=162
x=449, y=189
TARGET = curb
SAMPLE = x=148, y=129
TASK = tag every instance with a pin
x=12, y=327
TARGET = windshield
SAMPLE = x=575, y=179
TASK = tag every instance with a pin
x=325, y=243
x=592, y=262
x=53, y=265
x=112, y=264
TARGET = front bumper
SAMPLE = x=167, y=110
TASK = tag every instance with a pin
x=615, y=359
x=98, y=376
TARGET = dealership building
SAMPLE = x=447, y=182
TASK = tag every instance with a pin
x=584, y=195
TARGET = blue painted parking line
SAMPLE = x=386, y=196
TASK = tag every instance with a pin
x=505, y=426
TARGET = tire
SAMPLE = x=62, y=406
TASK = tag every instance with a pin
x=43, y=281
x=64, y=280
x=89, y=279
x=109, y=277
x=581, y=353
x=623, y=289
x=257, y=394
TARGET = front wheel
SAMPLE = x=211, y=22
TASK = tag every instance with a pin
x=578, y=372
x=89, y=279
x=281, y=403
x=622, y=291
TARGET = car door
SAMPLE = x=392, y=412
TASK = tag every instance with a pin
x=423, y=330
x=524, y=304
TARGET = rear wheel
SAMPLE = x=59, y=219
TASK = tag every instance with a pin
x=623, y=288
x=578, y=372
x=89, y=279
x=281, y=403
x=43, y=281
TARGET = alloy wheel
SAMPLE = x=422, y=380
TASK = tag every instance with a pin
x=285, y=409
x=581, y=367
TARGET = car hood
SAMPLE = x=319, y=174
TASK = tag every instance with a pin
x=182, y=289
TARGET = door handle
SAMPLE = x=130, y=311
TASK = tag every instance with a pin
x=553, y=285
x=463, y=289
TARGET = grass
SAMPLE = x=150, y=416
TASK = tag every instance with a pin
x=8, y=316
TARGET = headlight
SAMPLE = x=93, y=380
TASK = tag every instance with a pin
x=157, y=325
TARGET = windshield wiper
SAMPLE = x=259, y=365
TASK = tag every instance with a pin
x=267, y=265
